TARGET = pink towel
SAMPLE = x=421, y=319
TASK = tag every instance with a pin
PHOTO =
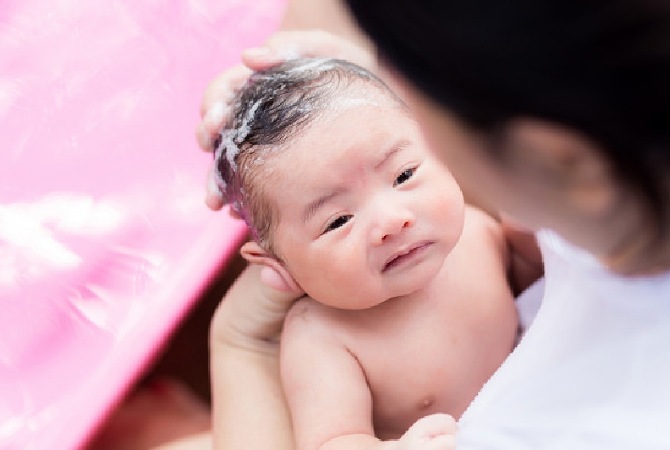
x=105, y=241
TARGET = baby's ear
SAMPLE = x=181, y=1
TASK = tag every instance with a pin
x=255, y=254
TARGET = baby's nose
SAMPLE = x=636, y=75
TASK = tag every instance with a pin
x=391, y=223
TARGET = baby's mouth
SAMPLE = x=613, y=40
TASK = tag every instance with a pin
x=406, y=255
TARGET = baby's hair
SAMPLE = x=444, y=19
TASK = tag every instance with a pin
x=270, y=110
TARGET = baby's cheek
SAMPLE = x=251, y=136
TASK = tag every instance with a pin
x=450, y=217
x=344, y=281
x=344, y=268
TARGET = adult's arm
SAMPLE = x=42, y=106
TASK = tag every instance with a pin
x=249, y=410
x=327, y=15
x=248, y=404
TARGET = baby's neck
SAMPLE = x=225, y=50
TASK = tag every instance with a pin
x=424, y=294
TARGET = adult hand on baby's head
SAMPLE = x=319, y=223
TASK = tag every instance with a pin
x=253, y=310
x=284, y=45
x=214, y=112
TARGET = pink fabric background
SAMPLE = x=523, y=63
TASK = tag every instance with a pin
x=105, y=241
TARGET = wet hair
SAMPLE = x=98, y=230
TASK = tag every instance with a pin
x=599, y=66
x=272, y=108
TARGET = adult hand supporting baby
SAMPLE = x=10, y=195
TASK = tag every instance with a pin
x=248, y=400
x=280, y=47
x=251, y=314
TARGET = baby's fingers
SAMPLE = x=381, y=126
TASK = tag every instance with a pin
x=446, y=442
x=433, y=432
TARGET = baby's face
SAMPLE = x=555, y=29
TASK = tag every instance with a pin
x=366, y=213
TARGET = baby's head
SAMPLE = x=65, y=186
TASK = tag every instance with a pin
x=268, y=114
x=328, y=169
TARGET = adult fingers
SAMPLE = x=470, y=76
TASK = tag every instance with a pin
x=216, y=104
x=287, y=45
x=213, y=197
x=222, y=88
x=252, y=312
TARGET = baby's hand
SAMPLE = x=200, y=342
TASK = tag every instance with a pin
x=282, y=46
x=434, y=432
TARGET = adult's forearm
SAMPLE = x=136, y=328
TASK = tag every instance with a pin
x=328, y=15
x=248, y=401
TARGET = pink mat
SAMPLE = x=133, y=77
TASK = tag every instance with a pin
x=105, y=241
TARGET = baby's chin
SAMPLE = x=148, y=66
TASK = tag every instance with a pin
x=352, y=301
x=404, y=283
x=416, y=278
x=404, y=289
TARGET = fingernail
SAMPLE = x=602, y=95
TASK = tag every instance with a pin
x=214, y=115
x=289, y=52
x=257, y=52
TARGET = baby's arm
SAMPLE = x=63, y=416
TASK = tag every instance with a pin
x=325, y=387
x=328, y=394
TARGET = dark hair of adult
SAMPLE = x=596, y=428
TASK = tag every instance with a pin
x=599, y=66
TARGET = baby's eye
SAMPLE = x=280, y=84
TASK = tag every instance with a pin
x=337, y=223
x=406, y=175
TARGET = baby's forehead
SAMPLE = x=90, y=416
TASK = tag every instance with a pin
x=270, y=163
x=359, y=92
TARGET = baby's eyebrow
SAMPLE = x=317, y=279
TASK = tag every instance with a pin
x=313, y=206
x=397, y=147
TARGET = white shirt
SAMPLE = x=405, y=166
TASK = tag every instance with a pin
x=593, y=370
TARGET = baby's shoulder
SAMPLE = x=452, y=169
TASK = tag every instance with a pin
x=304, y=310
x=307, y=317
x=483, y=238
x=478, y=223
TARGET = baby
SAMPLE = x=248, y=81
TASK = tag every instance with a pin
x=408, y=309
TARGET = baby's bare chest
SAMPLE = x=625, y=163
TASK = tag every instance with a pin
x=427, y=358
x=409, y=358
